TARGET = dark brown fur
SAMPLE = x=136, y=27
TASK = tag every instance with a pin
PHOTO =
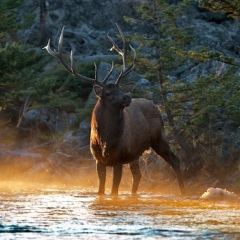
x=121, y=128
x=121, y=133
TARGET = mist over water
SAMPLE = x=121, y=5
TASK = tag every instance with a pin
x=48, y=203
x=38, y=211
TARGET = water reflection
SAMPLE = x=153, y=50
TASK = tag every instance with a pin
x=60, y=213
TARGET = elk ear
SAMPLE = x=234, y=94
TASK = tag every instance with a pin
x=98, y=90
x=127, y=87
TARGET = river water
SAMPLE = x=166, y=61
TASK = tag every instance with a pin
x=77, y=213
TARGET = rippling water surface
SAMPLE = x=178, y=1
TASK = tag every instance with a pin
x=58, y=213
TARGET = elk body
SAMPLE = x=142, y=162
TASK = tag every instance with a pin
x=122, y=128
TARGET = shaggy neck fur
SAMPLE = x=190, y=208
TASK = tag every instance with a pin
x=109, y=125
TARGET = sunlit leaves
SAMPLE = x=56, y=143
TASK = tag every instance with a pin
x=231, y=7
x=203, y=54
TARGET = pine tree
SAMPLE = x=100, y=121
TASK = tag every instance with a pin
x=22, y=70
x=166, y=36
x=230, y=7
x=18, y=61
x=8, y=16
x=194, y=109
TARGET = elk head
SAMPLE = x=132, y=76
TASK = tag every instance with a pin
x=110, y=93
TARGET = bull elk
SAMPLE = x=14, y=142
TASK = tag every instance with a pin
x=122, y=128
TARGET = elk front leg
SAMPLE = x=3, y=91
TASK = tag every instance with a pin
x=101, y=170
x=136, y=174
x=117, y=175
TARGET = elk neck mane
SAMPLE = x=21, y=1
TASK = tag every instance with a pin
x=109, y=124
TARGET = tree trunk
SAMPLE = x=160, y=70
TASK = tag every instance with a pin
x=43, y=24
x=185, y=145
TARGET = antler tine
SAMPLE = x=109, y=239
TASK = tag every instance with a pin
x=96, y=71
x=123, y=53
x=109, y=73
x=60, y=57
x=58, y=54
x=130, y=68
x=60, y=41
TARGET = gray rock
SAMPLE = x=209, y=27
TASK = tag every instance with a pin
x=143, y=83
x=46, y=119
x=103, y=70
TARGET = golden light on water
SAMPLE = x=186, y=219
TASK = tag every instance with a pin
x=46, y=205
x=77, y=212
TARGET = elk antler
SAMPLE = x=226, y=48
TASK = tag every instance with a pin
x=71, y=68
x=123, y=53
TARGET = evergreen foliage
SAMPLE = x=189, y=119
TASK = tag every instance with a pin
x=195, y=110
x=9, y=23
x=20, y=65
x=16, y=60
x=8, y=16
x=22, y=72
x=230, y=7
x=166, y=35
x=61, y=90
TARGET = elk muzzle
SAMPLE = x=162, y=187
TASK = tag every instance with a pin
x=126, y=100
